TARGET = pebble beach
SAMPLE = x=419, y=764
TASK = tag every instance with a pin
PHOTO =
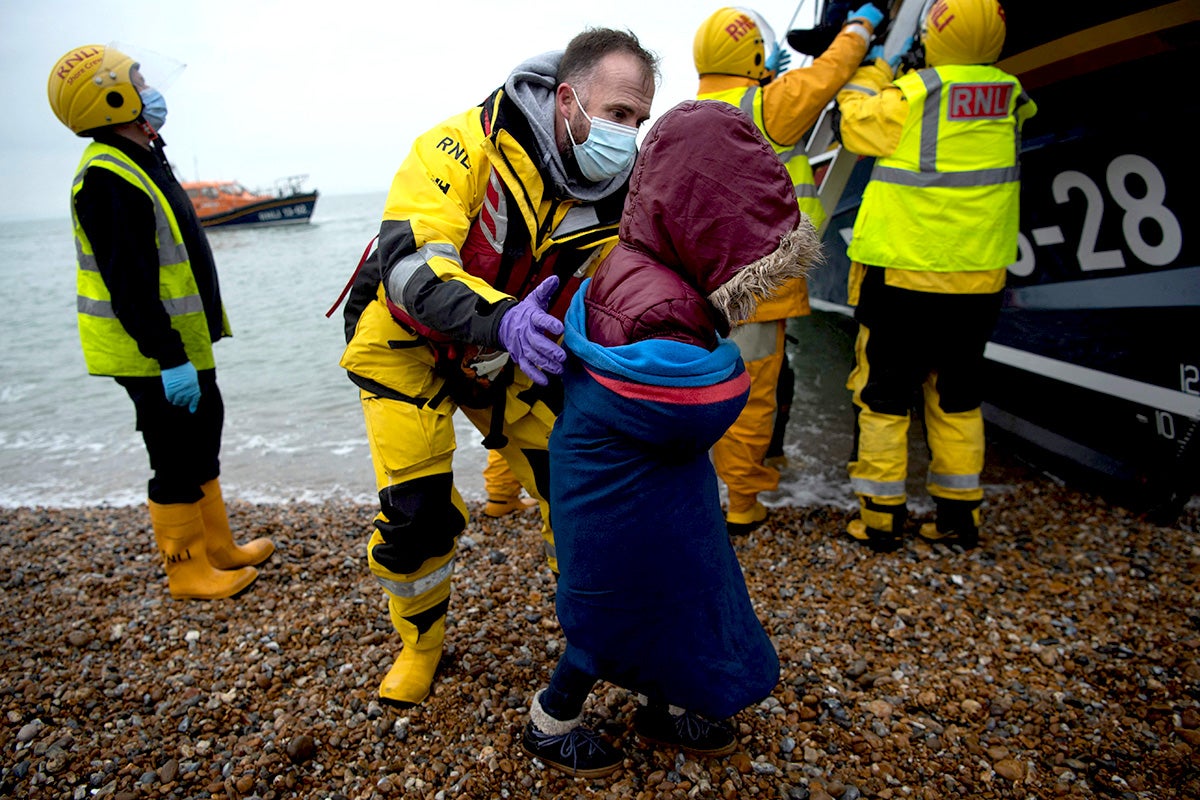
x=1061, y=659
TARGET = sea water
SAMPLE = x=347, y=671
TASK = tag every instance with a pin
x=293, y=425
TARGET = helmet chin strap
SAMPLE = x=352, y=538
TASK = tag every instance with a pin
x=157, y=143
x=147, y=129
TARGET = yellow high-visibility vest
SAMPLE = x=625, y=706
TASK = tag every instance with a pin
x=947, y=199
x=107, y=348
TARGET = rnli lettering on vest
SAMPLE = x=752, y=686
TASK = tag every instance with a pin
x=979, y=100
x=740, y=27
x=455, y=151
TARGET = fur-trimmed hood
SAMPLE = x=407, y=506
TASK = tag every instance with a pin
x=710, y=227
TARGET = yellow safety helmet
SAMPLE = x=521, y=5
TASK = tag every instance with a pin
x=91, y=87
x=963, y=32
x=733, y=41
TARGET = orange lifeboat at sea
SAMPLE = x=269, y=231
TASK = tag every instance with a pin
x=229, y=204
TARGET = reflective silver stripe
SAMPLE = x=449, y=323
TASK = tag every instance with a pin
x=86, y=262
x=861, y=30
x=168, y=251
x=577, y=218
x=499, y=214
x=877, y=488
x=551, y=550
x=854, y=87
x=953, y=481
x=94, y=308
x=797, y=149
x=969, y=177
x=175, y=306
x=806, y=190
x=930, y=116
x=407, y=267
x=178, y=306
x=747, y=103
x=420, y=586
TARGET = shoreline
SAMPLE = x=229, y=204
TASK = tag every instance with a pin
x=1059, y=659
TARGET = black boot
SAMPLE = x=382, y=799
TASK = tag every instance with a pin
x=957, y=523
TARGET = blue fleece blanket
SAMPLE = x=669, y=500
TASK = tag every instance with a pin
x=651, y=596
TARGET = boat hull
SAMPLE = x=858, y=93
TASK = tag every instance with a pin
x=292, y=210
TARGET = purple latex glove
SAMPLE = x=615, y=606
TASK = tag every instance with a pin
x=526, y=330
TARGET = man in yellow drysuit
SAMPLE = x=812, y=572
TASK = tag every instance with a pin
x=492, y=222
x=740, y=63
x=932, y=240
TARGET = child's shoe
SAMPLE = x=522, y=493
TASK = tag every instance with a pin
x=690, y=732
x=567, y=746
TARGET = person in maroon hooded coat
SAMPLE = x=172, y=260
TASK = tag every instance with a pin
x=651, y=597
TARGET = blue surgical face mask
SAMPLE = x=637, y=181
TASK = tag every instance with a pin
x=608, y=150
x=154, y=107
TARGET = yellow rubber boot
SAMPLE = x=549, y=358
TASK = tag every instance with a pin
x=408, y=681
x=503, y=489
x=223, y=552
x=179, y=531
x=501, y=506
x=740, y=523
x=880, y=525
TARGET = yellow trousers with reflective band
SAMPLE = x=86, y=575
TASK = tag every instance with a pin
x=879, y=469
x=411, y=552
x=738, y=455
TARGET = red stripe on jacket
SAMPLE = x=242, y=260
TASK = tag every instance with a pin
x=679, y=395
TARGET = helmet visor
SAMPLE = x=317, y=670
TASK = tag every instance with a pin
x=764, y=30
x=148, y=68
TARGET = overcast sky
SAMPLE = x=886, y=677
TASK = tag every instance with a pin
x=337, y=90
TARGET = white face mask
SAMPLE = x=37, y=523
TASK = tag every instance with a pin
x=608, y=150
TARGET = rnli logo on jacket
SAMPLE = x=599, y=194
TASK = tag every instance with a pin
x=455, y=150
x=980, y=100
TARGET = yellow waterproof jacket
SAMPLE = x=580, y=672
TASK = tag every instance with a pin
x=784, y=110
x=469, y=228
x=107, y=348
x=947, y=140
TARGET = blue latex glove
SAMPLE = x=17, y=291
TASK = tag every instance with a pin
x=778, y=61
x=182, y=386
x=876, y=53
x=526, y=330
x=869, y=14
